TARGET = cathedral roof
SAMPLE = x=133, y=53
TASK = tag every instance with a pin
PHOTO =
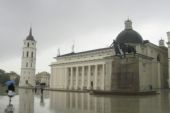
x=128, y=35
x=30, y=37
x=89, y=51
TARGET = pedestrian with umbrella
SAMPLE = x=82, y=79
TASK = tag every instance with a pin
x=11, y=92
x=11, y=88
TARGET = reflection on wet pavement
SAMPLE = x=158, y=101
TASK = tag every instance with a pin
x=68, y=102
x=26, y=101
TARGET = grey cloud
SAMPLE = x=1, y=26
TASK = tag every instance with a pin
x=58, y=21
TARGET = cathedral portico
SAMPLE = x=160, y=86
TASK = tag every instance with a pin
x=85, y=77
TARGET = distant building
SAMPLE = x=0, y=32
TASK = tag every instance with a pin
x=43, y=78
x=133, y=64
x=27, y=78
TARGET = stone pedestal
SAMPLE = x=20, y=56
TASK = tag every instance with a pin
x=125, y=73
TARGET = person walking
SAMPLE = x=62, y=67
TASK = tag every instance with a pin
x=11, y=88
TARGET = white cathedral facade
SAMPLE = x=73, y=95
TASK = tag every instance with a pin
x=27, y=78
x=105, y=69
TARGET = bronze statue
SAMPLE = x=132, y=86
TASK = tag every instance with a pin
x=121, y=49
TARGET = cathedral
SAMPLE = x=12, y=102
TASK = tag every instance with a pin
x=129, y=64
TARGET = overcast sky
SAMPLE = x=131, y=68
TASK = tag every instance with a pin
x=88, y=24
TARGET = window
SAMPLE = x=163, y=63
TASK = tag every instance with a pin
x=27, y=64
x=27, y=53
x=28, y=44
x=32, y=54
x=158, y=58
x=26, y=81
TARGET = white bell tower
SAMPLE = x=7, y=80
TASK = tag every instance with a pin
x=27, y=78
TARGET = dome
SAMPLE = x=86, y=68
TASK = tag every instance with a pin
x=129, y=35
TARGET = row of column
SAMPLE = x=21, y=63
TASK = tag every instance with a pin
x=85, y=77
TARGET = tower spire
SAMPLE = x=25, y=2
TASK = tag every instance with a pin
x=30, y=37
x=30, y=31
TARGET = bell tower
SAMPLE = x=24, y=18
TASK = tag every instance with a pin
x=28, y=63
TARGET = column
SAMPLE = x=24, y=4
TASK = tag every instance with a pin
x=108, y=76
x=103, y=76
x=51, y=78
x=82, y=78
x=66, y=77
x=88, y=77
x=71, y=78
x=159, y=75
x=55, y=77
x=95, y=76
x=77, y=78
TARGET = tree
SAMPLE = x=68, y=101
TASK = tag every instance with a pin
x=16, y=77
x=2, y=71
x=3, y=77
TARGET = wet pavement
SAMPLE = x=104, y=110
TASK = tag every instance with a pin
x=27, y=101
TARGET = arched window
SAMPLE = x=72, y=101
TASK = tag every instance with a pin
x=27, y=53
x=158, y=58
x=28, y=44
x=27, y=64
x=32, y=54
x=26, y=81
